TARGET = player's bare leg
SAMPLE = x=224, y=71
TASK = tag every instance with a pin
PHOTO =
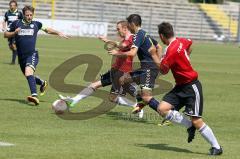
x=71, y=102
x=144, y=99
x=121, y=100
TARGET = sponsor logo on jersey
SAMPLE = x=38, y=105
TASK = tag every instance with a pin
x=31, y=25
x=180, y=47
x=12, y=18
x=23, y=32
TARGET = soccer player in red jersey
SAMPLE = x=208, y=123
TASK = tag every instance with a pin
x=119, y=67
x=188, y=89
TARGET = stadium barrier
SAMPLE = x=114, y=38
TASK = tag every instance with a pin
x=77, y=28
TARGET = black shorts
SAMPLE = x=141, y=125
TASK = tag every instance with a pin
x=145, y=77
x=112, y=78
x=188, y=95
x=11, y=41
x=30, y=60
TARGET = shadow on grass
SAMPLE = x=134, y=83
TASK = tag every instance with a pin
x=127, y=116
x=166, y=147
x=21, y=101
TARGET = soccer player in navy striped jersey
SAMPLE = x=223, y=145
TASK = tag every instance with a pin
x=25, y=32
x=11, y=15
x=146, y=48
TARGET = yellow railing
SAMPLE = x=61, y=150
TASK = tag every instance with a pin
x=220, y=17
x=52, y=2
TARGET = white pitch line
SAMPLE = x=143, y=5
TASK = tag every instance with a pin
x=5, y=144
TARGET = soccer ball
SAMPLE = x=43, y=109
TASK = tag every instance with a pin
x=59, y=106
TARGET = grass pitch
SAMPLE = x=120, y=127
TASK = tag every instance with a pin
x=37, y=133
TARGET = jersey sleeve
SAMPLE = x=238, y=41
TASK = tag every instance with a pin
x=5, y=18
x=138, y=39
x=13, y=26
x=39, y=25
x=187, y=44
x=20, y=16
x=155, y=43
x=166, y=62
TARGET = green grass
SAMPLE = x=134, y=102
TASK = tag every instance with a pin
x=40, y=134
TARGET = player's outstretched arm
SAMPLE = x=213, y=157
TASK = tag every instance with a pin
x=131, y=53
x=3, y=26
x=104, y=39
x=8, y=34
x=55, y=32
x=155, y=53
x=159, y=50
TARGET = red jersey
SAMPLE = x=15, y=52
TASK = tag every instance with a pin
x=176, y=58
x=124, y=64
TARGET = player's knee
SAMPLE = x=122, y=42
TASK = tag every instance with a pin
x=124, y=79
x=163, y=108
x=95, y=85
x=146, y=95
x=13, y=47
x=28, y=71
x=197, y=122
x=121, y=80
x=112, y=97
x=163, y=112
x=146, y=98
x=28, y=74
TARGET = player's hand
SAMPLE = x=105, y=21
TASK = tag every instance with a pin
x=113, y=52
x=103, y=38
x=63, y=35
x=17, y=31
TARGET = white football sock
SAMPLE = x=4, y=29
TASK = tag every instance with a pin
x=208, y=135
x=178, y=118
x=124, y=101
x=83, y=94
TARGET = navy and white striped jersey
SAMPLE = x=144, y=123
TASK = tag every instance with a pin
x=26, y=37
x=10, y=16
x=144, y=42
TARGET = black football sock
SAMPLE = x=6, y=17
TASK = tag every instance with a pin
x=14, y=55
x=153, y=103
x=39, y=81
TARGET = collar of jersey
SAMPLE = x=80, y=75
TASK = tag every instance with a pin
x=13, y=11
x=139, y=29
x=127, y=36
x=172, y=40
x=26, y=23
x=169, y=45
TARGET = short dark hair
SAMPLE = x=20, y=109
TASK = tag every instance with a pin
x=135, y=19
x=166, y=30
x=28, y=7
x=124, y=23
x=13, y=1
